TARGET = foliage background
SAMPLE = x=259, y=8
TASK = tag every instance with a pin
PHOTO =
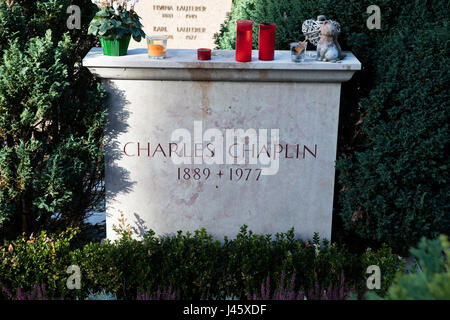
x=394, y=126
x=393, y=155
x=51, y=118
x=194, y=265
x=431, y=282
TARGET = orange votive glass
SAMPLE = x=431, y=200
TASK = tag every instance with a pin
x=157, y=47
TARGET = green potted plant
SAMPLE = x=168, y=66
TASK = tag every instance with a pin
x=115, y=23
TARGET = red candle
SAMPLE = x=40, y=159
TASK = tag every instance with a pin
x=204, y=54
x=267, y=41
x=244, y=40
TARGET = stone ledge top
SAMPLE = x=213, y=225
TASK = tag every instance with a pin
x=221, y=59
x=182, y=65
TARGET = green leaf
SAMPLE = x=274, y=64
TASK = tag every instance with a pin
x=104, y=28
x=104, y=13
x=93, y=30
x=116, y=23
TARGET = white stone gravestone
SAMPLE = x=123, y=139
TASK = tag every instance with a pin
x=219, y=144
x=188, y=24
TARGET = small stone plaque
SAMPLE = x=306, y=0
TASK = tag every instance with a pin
x=188, y=24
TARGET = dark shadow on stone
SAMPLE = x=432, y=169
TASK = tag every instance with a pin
x=141, y=229
x=117, y=179
x=137, y=51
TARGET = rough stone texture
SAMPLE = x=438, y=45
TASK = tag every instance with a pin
x=147, y=190
x=173, y=18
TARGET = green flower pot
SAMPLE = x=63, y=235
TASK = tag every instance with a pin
x=115, y=47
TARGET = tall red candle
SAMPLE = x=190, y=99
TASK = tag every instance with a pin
x=244, y=40
x=267, y=41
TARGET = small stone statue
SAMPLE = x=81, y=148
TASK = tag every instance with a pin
x=328, y=48
x=316, y=34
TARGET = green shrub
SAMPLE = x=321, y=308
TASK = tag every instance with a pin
x=389, y=264
x=394, y=134
x=111, y=26
x=397, y=190
x=193, y=265
x=51, y=119
x=98, y=268
x=432, y=282
x=41, y=259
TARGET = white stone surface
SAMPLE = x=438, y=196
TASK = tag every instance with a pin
x=147, y=109
x=221, y=59
x=188, y=23
x=182, y=64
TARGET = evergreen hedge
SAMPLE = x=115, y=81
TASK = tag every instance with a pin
x=393, y=164
x=51, y=118
x=394, y=134
x=432, y=282
x=398, y=189
x=193, y=265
